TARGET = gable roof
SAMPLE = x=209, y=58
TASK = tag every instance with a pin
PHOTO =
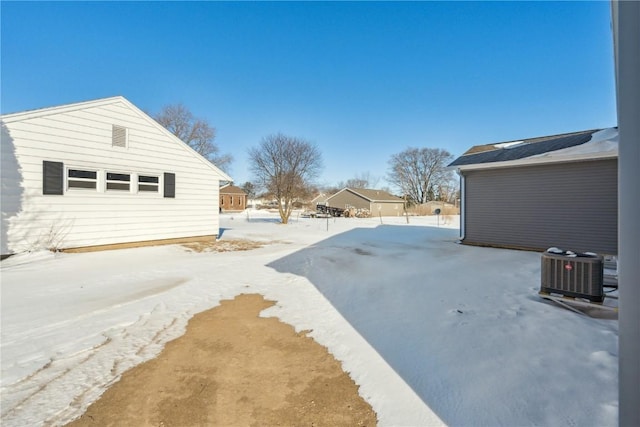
x=372, y=195
x=232, y=189
x=561, y=147
x=320, y=198
x=41, y=112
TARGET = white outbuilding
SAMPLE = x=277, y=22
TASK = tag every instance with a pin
x=98, y=174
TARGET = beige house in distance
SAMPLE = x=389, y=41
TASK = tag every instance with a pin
x=320, y=199
x=378, y=202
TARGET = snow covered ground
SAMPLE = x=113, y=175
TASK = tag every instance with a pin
x=433, y=332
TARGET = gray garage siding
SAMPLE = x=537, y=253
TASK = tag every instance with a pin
x=568, y=205
x=347, y=199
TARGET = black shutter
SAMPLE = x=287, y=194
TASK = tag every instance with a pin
x=169, y=185
x=52, y=178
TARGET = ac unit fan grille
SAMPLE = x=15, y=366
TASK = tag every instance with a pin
x=580, y=277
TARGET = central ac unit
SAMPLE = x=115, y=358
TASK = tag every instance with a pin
x=571, y=274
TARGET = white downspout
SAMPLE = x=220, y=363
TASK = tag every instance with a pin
x=462, y=215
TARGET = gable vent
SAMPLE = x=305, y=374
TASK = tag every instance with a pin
x=119, y=136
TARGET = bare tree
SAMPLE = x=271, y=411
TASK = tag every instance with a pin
x=286, y=167
x=362, y=180
x=197, y=133
x=250, y=189
x=448, y=191
x=418, y=172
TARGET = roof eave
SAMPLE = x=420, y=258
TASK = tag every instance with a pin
x=57, y=109
x=41, y=112
x=538, y=160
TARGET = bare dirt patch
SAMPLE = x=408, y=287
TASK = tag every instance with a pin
x=224, y=245
x=234, y=368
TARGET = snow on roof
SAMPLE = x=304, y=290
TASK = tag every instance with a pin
x=603, y=142
x=585, y=145
x=508, y=144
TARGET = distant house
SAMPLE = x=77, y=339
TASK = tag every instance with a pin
x=320, y=199
x=378, y=202
x=537, y=193
x=232, y=198
x=98, y=174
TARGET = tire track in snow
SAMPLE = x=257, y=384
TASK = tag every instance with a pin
x=43, y=385
x=147, y=348
x=114, y=304
x=74, y=383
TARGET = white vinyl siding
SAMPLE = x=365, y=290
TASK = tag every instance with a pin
x=82, y=139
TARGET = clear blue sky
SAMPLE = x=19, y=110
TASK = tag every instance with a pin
x=363, y=80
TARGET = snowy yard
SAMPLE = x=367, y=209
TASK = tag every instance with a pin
x=433, y=332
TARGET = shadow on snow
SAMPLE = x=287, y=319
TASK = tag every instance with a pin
x=373, y=277
x=461, y=326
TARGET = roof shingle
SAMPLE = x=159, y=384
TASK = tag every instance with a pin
x=375, y=195
x=490, y=153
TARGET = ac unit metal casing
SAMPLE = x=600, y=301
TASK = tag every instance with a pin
x=573, y=276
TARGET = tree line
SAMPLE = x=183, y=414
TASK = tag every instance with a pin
x=286, y=167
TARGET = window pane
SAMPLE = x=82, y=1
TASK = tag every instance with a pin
x=118, y=177
x=81, y=184
x=143, y=187
x=143, y=178
x=117, y=186
x=75, y=173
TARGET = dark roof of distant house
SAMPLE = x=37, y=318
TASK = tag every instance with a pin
x=520, y=149
x=231, y=189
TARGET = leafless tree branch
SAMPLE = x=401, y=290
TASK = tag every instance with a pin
x=286, y=167
x=197, y=133
x=420, y=173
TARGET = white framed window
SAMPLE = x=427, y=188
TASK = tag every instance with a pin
x=148, y=184
x=82, y=179
x=116, y=181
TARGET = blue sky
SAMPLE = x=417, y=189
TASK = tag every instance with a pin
x=362, y=80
